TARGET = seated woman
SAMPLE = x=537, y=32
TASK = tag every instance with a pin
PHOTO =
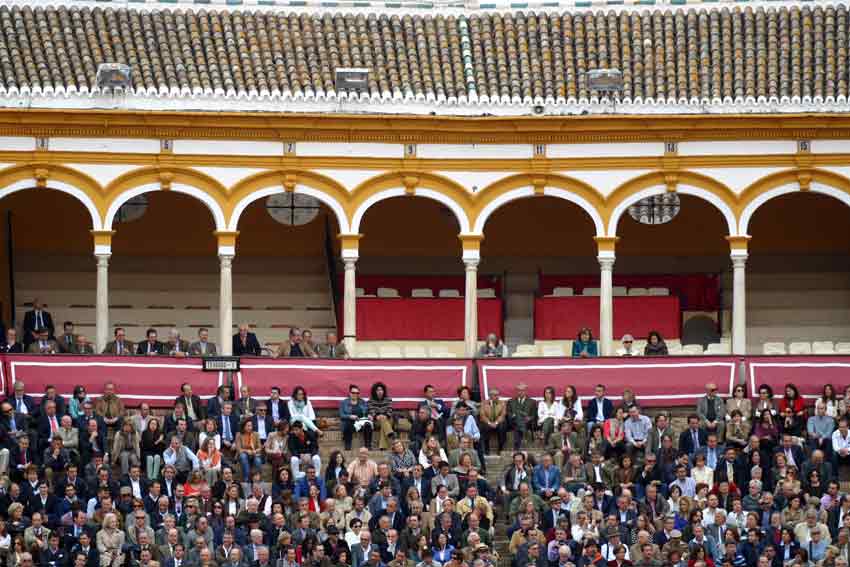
x=249, y=448
x=381, y=414
x=584, y=346
x=301, y=410
x=739, y=401
x=615, y=432
x=550, y=412
x=655, y=345
x=764, y=403
x=493, y=347
x=701, y=473
x=737, y=432
x=794, y=401
x=767, y=432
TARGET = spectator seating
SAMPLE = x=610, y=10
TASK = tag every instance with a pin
x=450, y=293
x=774, y=348
x=798, y=348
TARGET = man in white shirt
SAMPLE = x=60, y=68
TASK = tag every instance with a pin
x=841, y=445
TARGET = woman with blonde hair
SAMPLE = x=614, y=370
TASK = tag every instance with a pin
x=110, y=541
x=431, y=447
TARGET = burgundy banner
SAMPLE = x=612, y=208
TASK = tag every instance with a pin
x=809, y=373
x=137, y=379
x=668, y=381
x=327, y=381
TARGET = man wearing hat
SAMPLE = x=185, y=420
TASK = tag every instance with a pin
x=553, y=515
x=608, y=550
x=675, y=545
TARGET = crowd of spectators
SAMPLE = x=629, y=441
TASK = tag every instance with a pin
x=39, y=338
x=239, y=482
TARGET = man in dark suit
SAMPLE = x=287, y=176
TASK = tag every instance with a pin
x=192, y=406
x=263, y=424
x=418, y=481
x=120, y=346
x=86, y=547
x=150, y=347
x=599, y=408
x=47, y=425
x=692, y=438
x=277, y=409
x=203, y=346
x=11, y=344
x=75, y=531
x=245, y=343
x=215, y=403
x=68, y=339
x=23, y=403
x=793, y=452
x=37, y=318
x=522, y=414
x=228, y=427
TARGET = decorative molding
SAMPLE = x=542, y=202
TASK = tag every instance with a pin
x=421, y=129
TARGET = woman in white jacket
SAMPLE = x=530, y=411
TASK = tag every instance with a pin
x=550, y=412
x=300, y=409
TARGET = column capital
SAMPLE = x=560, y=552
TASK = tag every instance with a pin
x=738, y=242
x=471, y=246
x=102, y=241
x=471, y=263
x=606, y=245
x=226, y=242
x=739, y=261
x=226, y=261
x=349, y=246
x=349, y=263
x=103, y=260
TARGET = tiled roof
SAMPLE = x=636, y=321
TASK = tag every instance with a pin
x=702, y=55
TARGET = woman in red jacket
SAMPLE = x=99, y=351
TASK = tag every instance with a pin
x=793, y=400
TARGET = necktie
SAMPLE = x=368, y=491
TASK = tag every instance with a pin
x=121, y=347
x=696, y=440
x=333, y=351
x=20, y=405
x=39, y=321
x=226, y=428
x=789, y=456
x=53, y=425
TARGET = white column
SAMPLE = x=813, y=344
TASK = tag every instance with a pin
x=349, y=301
x=102, y=303
x=225, y=304
x=739, y=302
x=471, y=306
x=606, y=302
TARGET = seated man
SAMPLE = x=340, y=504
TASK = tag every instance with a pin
x=82, y=346
x=43, y=343
x=245, y=343
x=203, y=346
x=67, y=339
x=151, y=346
x=11, y=344
x=295, y=347
x=120, y=345
x=332, y=348
x=176, y=346
x=303, y=448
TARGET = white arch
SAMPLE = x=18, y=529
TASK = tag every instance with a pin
x=64, y=188
x=460, y=214
x=212, y=204
x=683, y=189
x=332, y=204
x=524, y=192
x=816, y=187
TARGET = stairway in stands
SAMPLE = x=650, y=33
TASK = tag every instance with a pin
x=518, y=290
x=271, y=295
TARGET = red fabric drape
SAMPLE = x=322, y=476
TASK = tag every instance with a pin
x=380, y=319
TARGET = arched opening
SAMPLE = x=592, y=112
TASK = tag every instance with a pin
x=798, y=273
x=47, y=255
x=670, y=272
x=539, y=244
x=284, y=272
x=409, y=245
x=164, y=271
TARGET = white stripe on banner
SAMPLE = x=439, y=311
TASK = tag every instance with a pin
x=485, y=389
x=755, y=365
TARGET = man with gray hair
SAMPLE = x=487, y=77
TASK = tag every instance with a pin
x=175, y=345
